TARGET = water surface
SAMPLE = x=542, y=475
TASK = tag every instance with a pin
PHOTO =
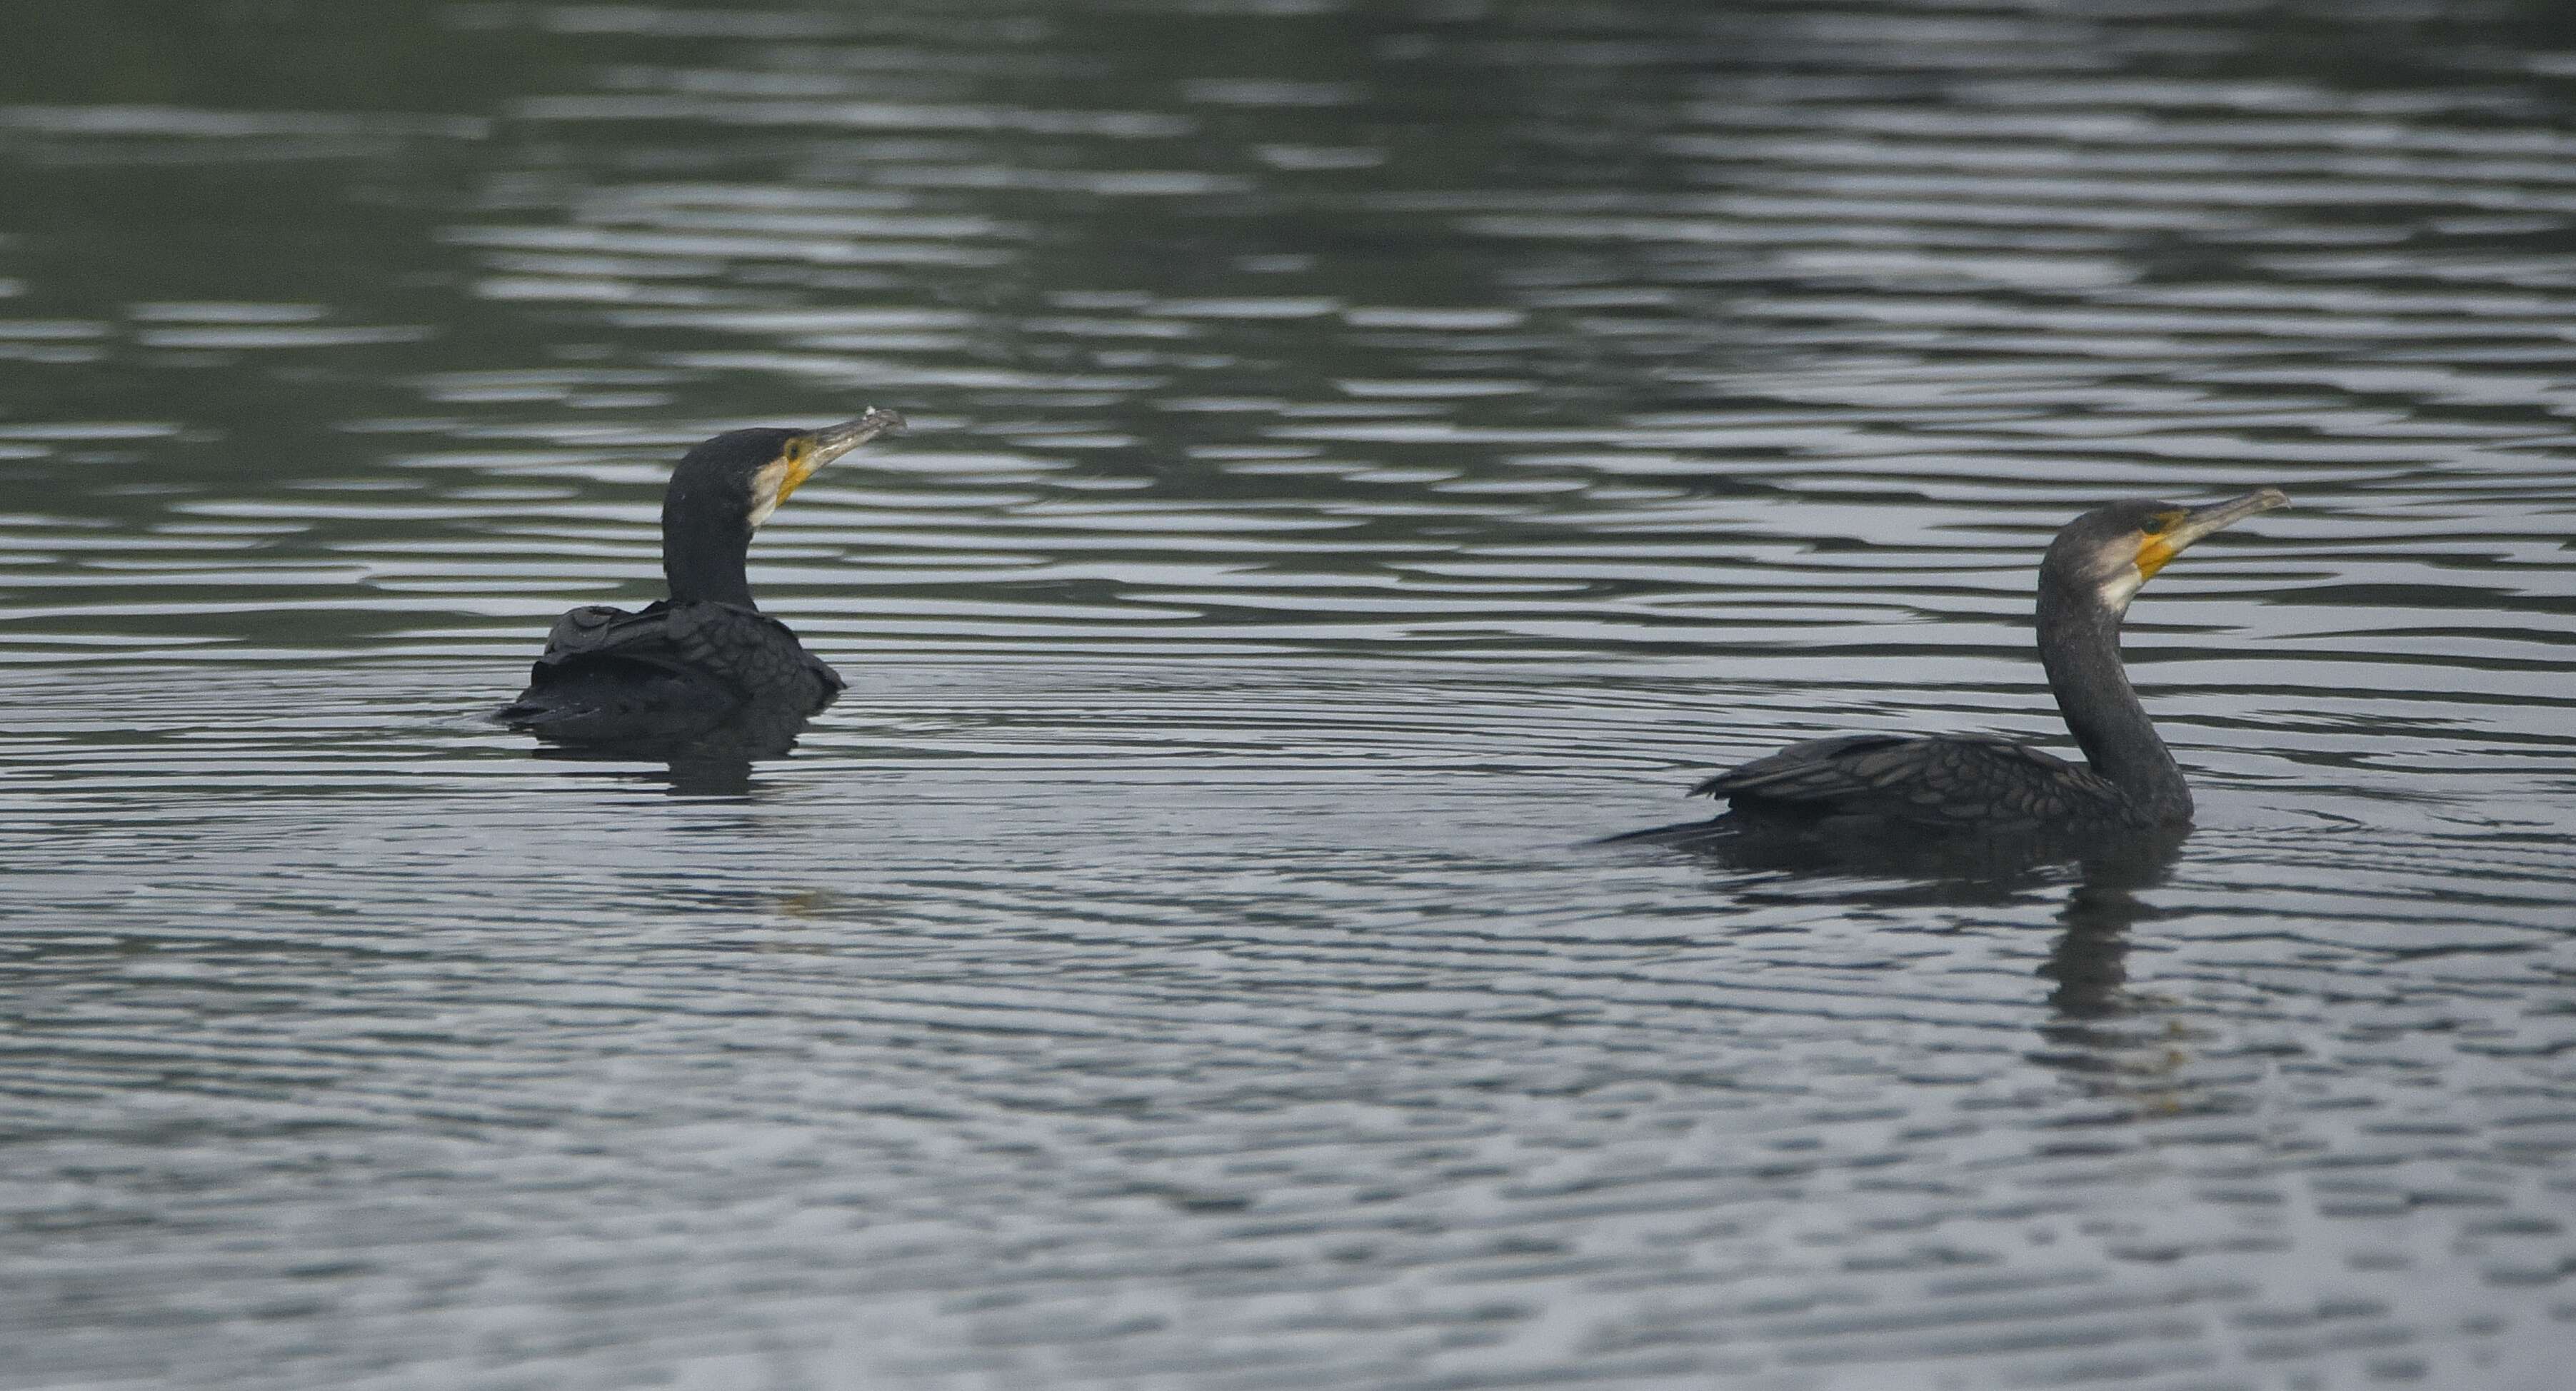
x=1360, y=453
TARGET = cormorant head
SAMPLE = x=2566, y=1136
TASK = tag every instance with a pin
x=737, y=479
x=725, y=488
x=2106, y=554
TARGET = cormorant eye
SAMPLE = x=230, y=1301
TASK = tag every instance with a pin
x=2160, y=523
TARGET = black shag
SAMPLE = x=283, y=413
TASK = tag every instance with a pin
x=1865, y=784
x=707, y=655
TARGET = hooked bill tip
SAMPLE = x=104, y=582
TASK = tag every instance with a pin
x=2200, y=521
x=834, y=440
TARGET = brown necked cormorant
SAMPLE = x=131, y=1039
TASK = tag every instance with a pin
x=707, y=654
x=1864, y=784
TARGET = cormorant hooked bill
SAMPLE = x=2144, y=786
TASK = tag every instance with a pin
x=707, y=654
x=1858, y=785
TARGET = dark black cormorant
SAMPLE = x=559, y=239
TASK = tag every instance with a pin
x=707, y=655
x=1858, y=785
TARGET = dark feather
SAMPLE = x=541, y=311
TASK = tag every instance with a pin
x=1933, y=783
x=669, y=671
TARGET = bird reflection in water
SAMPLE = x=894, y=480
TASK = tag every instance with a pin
x=713, y=763
x=2090, y=960
x=2118, y=1042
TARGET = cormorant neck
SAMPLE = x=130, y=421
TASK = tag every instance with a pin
x=702, y=551
x=2079, y=643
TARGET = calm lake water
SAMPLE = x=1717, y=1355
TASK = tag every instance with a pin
x=1360, y=453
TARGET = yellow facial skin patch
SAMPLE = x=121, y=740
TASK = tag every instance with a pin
x=2158, y=548
x=799, y=462
x=780, y=476
x=802, y=455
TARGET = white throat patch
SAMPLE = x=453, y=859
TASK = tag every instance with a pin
x=766, y=487
x=2120, y=586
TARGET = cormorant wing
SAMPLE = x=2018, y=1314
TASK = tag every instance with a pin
x=741, y=647
x=1950, y=780
x=672, y=670
x=596, y=632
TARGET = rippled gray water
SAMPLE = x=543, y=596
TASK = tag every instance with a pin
x=1360, y=453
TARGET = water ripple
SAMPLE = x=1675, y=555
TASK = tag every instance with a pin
x=1358, y=457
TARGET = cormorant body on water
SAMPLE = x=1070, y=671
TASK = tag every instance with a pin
x=705, y=658
x=1886, y=789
